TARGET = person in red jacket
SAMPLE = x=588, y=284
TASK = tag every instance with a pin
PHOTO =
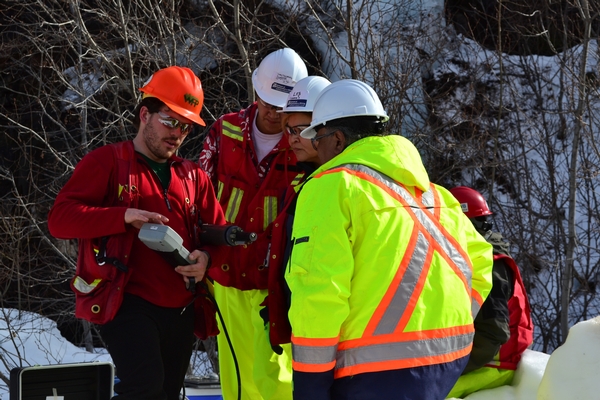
x=503, y=326
x=251, y=164
x=141, y=302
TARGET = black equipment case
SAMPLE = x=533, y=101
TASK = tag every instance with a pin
x=78, y=381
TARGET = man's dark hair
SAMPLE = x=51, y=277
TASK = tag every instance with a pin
x=356, y=128
x=153, y=105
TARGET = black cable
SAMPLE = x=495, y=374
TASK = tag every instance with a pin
x=235, y=361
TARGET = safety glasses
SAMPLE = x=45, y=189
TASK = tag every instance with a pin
x=315, y=139
x=173, y=123
x=295, y=130
x=269, y=106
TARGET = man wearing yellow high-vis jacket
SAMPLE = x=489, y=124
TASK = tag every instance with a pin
x=386, y=272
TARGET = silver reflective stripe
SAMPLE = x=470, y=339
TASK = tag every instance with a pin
x=402, y=350
x=314, y=354
x=475, y=307
x=423, y=217
x=405, y=289
x=428, y=200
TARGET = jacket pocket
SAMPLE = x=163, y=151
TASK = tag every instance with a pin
x=98, y=300
x=302, y=253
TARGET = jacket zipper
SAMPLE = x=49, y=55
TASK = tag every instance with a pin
x=166, y=196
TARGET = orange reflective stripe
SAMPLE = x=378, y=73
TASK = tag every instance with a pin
x=302, y=367
x=314, y=355
x=302, y=341
x=400, y=299
x=476, y=302
x=437, y=210
x=387, y=298
x=418, y=289
x=384, y=345
x=446, y=243
x=429, y=334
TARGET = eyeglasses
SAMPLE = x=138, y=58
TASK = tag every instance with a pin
x=173, y=123
x=269, y=106
x=315, y=139
x=295, y=130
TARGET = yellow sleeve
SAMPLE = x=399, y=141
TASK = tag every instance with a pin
x=482, y=258
x=321, y=264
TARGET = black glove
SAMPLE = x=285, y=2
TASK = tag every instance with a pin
x=264, y=314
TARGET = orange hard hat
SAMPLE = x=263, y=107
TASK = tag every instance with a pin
x=180, y=89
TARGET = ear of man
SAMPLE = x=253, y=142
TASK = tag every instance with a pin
x=340, y=141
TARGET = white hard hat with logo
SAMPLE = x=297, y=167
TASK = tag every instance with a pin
x=277, y=74
x=343, y=99
x=303, y=95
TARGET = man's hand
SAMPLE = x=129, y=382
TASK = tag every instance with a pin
x=137, y=217
x=196, y=270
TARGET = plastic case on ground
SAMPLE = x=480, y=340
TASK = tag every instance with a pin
x=78, y=381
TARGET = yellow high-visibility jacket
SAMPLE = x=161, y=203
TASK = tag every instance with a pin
x=386, y=271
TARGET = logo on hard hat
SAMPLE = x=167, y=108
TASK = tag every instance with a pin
x=293, y=103
x=464, y=207
x=284, y=79
x=281, y=88
x=296, y=95
x=190, y=99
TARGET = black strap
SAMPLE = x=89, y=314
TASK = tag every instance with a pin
x=101, y=257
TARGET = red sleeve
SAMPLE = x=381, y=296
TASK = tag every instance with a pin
x=77, y=212
x=209, y=156
x=210, y=213
x=210, y=209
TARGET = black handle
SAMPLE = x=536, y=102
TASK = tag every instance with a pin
x=225, y=235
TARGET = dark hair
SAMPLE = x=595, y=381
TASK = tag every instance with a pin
x=356, y=128
x=153, y=105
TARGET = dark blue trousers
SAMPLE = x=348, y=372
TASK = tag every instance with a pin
x=432, y=382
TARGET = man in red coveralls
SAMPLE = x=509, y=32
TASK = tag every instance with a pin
x=251, y=164
x=141, y=302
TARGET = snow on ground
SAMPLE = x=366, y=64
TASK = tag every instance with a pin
x=570, y=373
x=27, y=339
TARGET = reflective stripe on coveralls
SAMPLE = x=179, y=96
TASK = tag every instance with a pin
x=233, y=206
x=384, y=344
x=297, y=179
x=232, y=131
x=270, y=207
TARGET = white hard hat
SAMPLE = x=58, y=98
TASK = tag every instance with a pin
x=343, y=99
x=303, y=95
x=277, y=74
